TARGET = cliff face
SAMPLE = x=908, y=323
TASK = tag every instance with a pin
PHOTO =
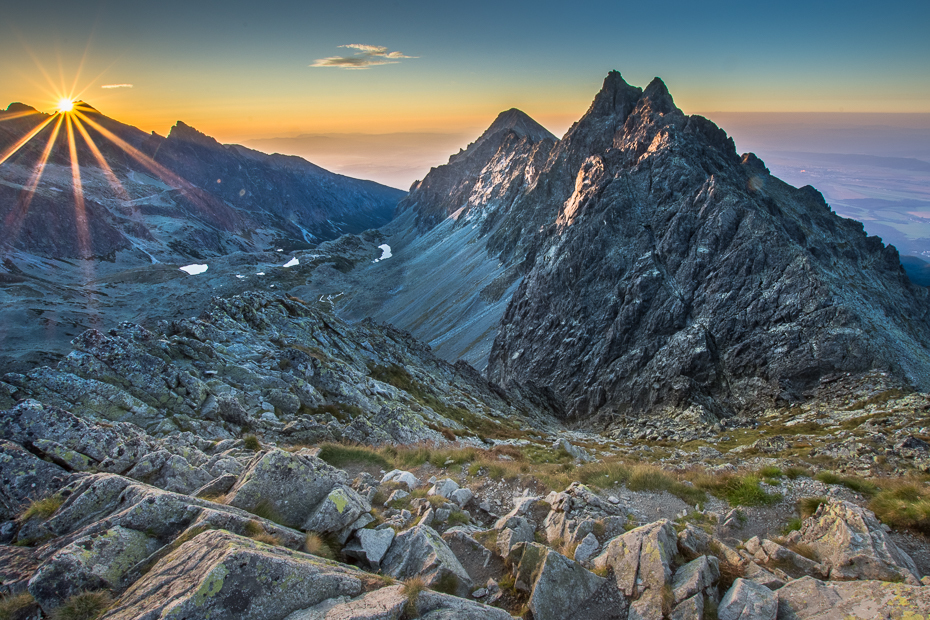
x=666, y=273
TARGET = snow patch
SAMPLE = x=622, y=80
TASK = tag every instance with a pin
x=385, y=252
x=194, y=269
x=260, y=273
x=240, y=277
x=292, y=263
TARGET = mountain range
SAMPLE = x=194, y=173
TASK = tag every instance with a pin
x=639, y=266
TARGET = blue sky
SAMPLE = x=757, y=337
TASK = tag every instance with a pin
x=242, y=69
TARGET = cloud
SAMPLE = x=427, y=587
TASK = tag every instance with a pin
x=367, y=56
x=116, y=86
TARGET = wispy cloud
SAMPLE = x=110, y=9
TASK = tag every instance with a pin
x=367, y=56
x=116, y=86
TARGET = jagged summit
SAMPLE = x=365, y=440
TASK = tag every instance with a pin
x=682, y=279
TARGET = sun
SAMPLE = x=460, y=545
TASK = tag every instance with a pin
x=65, y=105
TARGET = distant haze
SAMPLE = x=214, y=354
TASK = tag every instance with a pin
x=395, y=159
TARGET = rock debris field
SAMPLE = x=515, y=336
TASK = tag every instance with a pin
x=267, y=460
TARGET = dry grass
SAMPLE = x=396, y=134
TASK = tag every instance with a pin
x=316, y=545
x=11, y=606
x=42, y=508
x=84, y=606
x=412, y=588
x=807, y=506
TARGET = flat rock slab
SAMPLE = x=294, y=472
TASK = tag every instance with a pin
x=220, y=575
x=811, y=599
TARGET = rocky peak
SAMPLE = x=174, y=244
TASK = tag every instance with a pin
x=20, y=107
x=484, y=174
x=677, y=280
x=183, y=132
x=520, y=123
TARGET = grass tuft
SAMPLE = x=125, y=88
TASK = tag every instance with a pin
x=746, y=491
x=807, y=506
x=12, y=606
x=903, y=504
x=251, y=442
x=864, y=487
x=411, y=589
x=84, y=606
x=315, y=545
x=42, y=508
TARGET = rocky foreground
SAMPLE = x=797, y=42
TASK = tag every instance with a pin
x=267, y=460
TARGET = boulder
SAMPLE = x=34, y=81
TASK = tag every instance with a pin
x=811, y=599
x=217, y=486
x=641, y=560
x=774, y=555
x=480, y=563
x=586, y=549
x=699, y=576
x=220, y=575
x=390, y=603
x=689, y=609
x=23, y=478
x=853, y=544
x=370, y=546
x=92, y=562
x=398, y=475
x=764, y=577
x=462, y=496
x=576, y=452
x=558, y=586
x=421, y=551
x=341, y=507
x=169, y=471
x=515, y=530
x=115, y=447
x=444, y=488
x=287, y=486
x=746, y=600
x=693, y=541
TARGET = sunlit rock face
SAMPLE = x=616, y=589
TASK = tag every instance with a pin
x=667, y=274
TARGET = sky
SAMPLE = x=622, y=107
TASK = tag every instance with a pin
x=246, y=70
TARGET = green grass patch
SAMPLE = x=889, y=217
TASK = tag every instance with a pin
x=793, y=473
x=903, y=504
x=648, y=478
x=793, y=525
x=747, y=491
x=862, y=486
x=770, y=472
x=251, y=442
x=340, y=455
